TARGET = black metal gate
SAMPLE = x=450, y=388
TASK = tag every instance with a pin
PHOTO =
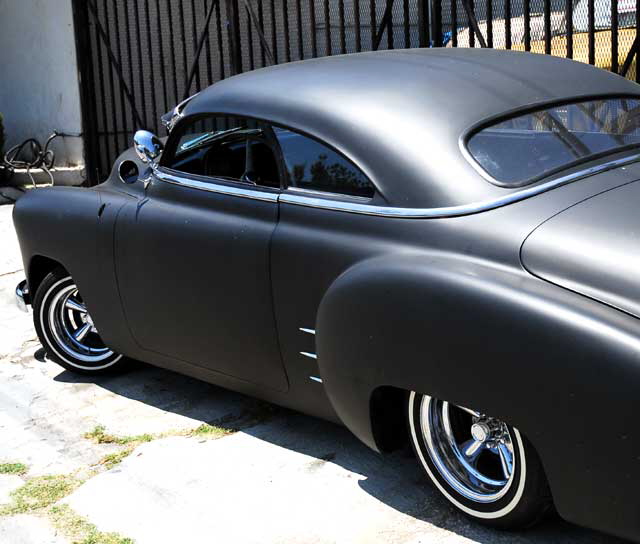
x=138, y=58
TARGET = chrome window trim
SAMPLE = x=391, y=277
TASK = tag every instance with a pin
x=213, y=187
x=388, y=211
x=454, y=211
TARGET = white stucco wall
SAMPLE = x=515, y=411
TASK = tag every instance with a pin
x=39, y=89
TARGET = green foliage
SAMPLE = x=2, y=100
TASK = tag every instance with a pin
x=100, y=435
x=13, y=468
x=39, y=493
x=80, y=530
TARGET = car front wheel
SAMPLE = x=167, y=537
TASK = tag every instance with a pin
x=66, y=329
x=483, y=466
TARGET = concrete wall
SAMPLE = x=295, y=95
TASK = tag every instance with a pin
x=39, y=89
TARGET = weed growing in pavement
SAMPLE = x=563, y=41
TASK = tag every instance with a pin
x=79, y=530
x=38, y=493
x=13, y=468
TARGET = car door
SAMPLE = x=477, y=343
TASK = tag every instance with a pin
x=313, y=245
x=193, y=256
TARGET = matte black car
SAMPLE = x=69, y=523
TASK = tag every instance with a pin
x=432, y=245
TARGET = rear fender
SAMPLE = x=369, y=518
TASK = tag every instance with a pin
x=562, y=368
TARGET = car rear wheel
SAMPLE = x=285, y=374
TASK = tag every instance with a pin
x=66, y=329
x=483, y=466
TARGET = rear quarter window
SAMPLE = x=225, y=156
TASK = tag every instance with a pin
x=525, y=148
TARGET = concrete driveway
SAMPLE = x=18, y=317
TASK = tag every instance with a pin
x=156, y=457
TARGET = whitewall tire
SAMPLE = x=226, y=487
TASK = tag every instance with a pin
x=66, y=330
x=480, y=464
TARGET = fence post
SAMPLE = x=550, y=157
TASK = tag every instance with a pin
x=436, y=22
x=233, y=29
x=87, y=104
x=423, y=23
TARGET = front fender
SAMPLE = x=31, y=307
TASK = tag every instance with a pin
x=74, y=227
x=562, y=368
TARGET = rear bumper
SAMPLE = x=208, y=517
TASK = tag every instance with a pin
x=22, y=296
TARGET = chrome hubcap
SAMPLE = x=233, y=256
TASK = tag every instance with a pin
x=473, y=452
x=73, y=328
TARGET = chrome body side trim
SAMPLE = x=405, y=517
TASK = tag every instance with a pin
x=212, y=187
x=390, y=211
x=308, y=331
x=315, y=379
x=453, y=211
x=310, y=355
x=22, y=296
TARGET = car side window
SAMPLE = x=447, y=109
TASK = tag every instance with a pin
x=231, y=148
x=315, y=166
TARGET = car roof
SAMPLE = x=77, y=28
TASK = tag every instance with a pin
x=400, y=114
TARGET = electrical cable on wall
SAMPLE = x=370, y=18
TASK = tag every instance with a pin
x=31, y=155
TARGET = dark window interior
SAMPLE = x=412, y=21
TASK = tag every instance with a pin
x=312, y=165
x=228, y=148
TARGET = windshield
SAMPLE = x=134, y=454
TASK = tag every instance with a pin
x=526, y=148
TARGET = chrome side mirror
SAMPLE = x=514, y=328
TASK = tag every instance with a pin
x=148, y=146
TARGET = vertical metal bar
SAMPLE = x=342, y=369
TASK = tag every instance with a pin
x=274, y=41
x=343, y=43
x=152, y=82
x=194, y=34
x=637, y=39
x=527, y=25
x=454, y=23
x=220, y=39
x=82, y=33
x=172, y=48
x=592, y=31
x=123, y=106
x=568, y=20
x=163, y=71
x=389, y=25
x=102, y=99
x=372, y=12
x=314, y=36
x=436, y=31
x=208, y=45
x=614, y=36
x=261, y=23
x=507, y=24
x=423, y=23
x=405, y=22
x=489, y=23
x=468, y=7
x=233, y=26
x=327, y=27
x=142, y=62
x=299, y=23
x=356, y=23
x=183, y=39
x=287, y=36
x=112, y=88
x=250, y=40
x=547, y=27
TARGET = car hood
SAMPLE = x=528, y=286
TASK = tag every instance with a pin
x=592, y=248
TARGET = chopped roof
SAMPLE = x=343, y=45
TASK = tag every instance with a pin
x=400, y=114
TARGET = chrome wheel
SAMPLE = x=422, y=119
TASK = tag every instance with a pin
x=473, y=452
x=72, y=329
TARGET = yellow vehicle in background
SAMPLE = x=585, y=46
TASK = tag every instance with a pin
x=603, y=53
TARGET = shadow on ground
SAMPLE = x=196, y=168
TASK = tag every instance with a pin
x=395, y=479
